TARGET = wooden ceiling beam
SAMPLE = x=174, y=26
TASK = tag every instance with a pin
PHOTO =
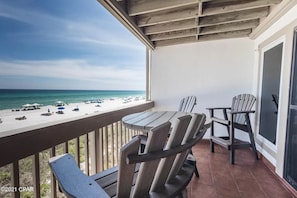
x=169, y=27
x=242, y=25
x=170, y=22
x=138, y=7
x=170, y=16
x=174, y=34
x=225, y=35
x=219, y=7
x=177, y=41
x=234, y=16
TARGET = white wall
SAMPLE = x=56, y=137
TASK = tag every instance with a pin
x=213, y=71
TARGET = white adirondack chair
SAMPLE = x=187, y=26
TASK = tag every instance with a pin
x=161, y=171
x=235, y=117
x=187, y=104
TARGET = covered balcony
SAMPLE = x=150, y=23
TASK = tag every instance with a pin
x=211, y=49
x=95, y=141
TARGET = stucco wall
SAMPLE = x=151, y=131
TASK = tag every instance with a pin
x=213, y=71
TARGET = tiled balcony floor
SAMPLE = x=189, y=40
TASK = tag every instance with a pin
x=246, y=178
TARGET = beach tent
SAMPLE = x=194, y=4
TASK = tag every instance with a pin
x=36, y=105
x=27, y=107
x=60, y=103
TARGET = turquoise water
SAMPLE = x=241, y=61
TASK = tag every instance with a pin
x=15, y=98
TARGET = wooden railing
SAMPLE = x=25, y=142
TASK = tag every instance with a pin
x=93, y=140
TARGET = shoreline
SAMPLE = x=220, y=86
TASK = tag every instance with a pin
x=13, y=120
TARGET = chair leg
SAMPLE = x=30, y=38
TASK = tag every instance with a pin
x=232, y=155
x=183, y=194
x=196, y=171
x=232, y=137
x=253, y=145
x=211, y=134
x=211, y=146
x=252, y=140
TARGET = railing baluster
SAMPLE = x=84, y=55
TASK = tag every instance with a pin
x=112, y=144
x=93, y=152
x=16, y=178
x=53, y=181
x=117, y=142
x=122, y=130
x=129, y=135
x=77, y=151
x=87, y=171
x=36, y=175
x=106, y=147
x=125, y=135
x=100, y=150
x=65, y=147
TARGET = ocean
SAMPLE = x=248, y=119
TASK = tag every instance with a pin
x=15, y=98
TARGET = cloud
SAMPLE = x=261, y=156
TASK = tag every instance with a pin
x=70, y=69
x=89, y=38
x=95, y=31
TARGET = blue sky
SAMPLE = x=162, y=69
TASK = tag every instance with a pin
x=67, y=44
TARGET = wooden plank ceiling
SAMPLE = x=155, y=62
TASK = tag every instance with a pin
x=170, y=22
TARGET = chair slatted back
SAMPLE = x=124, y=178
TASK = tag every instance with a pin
x=126, y=172
x=156, y=142
x=242, y=102
x=152, y=175
x=187, y=104
x=176, y=137
x=195, y=127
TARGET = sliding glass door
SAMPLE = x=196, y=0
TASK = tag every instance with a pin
x=272, y=64
x=290, y=171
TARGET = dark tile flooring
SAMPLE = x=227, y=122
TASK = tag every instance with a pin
x=246, y=178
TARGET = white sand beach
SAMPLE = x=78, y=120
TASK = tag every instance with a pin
x=12, y=120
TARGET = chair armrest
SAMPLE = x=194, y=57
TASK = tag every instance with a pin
x=218, y=108
x=224, y=110
x=242, y=112
x=72, y=181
